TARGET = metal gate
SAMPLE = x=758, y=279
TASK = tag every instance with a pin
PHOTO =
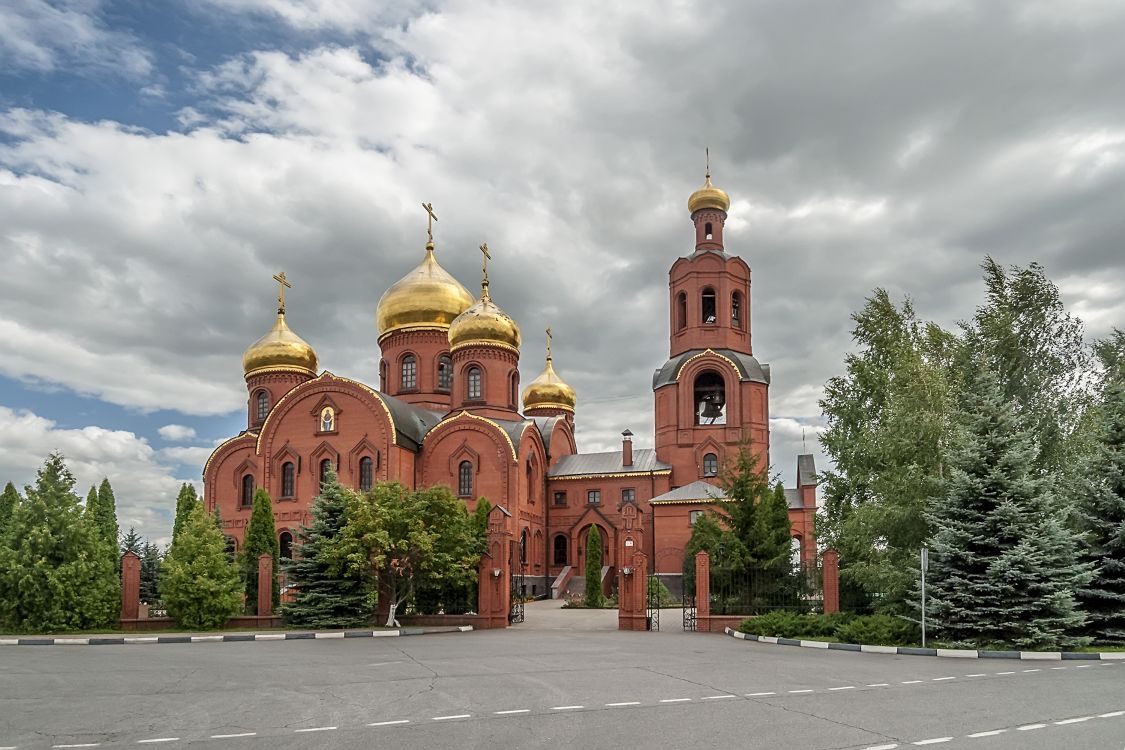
x=516, y=596
x=652, y=595
x=688, y=597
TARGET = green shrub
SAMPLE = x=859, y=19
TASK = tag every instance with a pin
x=878, y=630
x=657, y=588
x=780, y=623
x=200, y=587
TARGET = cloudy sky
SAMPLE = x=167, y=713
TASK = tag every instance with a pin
x=160, y=161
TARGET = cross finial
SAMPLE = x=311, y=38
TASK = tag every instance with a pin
x=282, y=284
x=432, y=217
x=707, y=152
x=484, y=269
x=548, y=344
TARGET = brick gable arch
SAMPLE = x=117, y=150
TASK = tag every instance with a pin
x=446, y=445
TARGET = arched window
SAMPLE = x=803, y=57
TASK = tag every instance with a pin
x=285, y=542
x=710, y=465
x=560, y=550
x=736, y=309
x=263, y=404
x=383, y=375
x=325, y=468
x=445, y=373
x=795, y=552
x=707, y=230
x=474, y=384
x=288, y=475
x=708, y=306
x=710, y=399
x=248, y=491
x=523, y=547
x=409, y=373
x=465, y=479
x=366, y=473
x=681, y=311
x=514, y=396
x=530, y=483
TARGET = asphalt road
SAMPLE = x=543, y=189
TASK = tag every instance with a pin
x=543, y=685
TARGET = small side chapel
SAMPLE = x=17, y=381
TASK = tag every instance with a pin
x=448, y=410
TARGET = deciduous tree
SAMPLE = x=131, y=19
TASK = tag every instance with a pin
x=199, y=586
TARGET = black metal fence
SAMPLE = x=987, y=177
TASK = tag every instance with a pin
x=738, y=589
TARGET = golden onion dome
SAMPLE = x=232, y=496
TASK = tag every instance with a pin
x=708, y=196
x=484, y=323
x=427, y=297
x=549, y=391
x=279, y=350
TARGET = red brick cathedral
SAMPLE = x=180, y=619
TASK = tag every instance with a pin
x=449, y=411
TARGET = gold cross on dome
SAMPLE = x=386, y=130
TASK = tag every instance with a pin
x=707, y=151
x=432, y=217
x=484, y=267
x=548, y=343
x=282, y=284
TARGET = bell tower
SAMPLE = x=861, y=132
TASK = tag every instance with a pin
x=711, y=393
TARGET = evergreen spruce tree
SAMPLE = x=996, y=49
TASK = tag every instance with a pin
x=199, y=586
x=261, y=539
x=185, y=501
x=151, y=560
x=594, y=596
x=55, y=573
x=1003, y=566
x=9, y=499
x=133, y=542
x=1100, y=507
x=321, y=598
x=91, y=508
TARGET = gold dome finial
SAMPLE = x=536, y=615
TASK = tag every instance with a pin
x=548, y=391
x=280, y=350
x=708, y=196
x=484, y=323
x=427, y=298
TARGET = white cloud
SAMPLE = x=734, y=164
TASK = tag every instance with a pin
x=176, y=433
x=143, y=485
x=45, y=36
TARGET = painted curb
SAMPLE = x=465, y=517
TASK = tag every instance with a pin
x=948, y=653
x=127, y=640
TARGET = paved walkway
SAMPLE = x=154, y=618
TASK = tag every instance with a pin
x=548, y=614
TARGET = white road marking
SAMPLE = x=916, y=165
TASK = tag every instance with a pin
x=1005, y=673
x=158, y=739
x=1058, y=667
x=513, y=711
x=565, y=708
x=933, y=741
x=911, y=682
x=232, y=736
x=879, y=684
x=846, y=687
x=86, y=744
x=940, y=679
x=675, y=700
x=981, y=674
x=456, y=716
x=989, y=733
x=715, y=697
x=1074, y=721
x=1033, y=670
x=624, y=703
x=1111, y=715
x=315, y=729
x=801, y=691
x=389, y=723
x=1028, y=727
x=1083, y=666
x=755, y=695
x=883, y=747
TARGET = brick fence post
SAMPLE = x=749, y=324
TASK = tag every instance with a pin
x=703, y=591
x=130, y=586
x=831, y=575
x=265, y=585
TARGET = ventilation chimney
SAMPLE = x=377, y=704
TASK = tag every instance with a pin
x=627, y=448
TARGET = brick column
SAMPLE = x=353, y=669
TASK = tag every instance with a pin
x=632, y=593
x=831, y=577
x=703, y=591
x=130, y=586
x=265, y=585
